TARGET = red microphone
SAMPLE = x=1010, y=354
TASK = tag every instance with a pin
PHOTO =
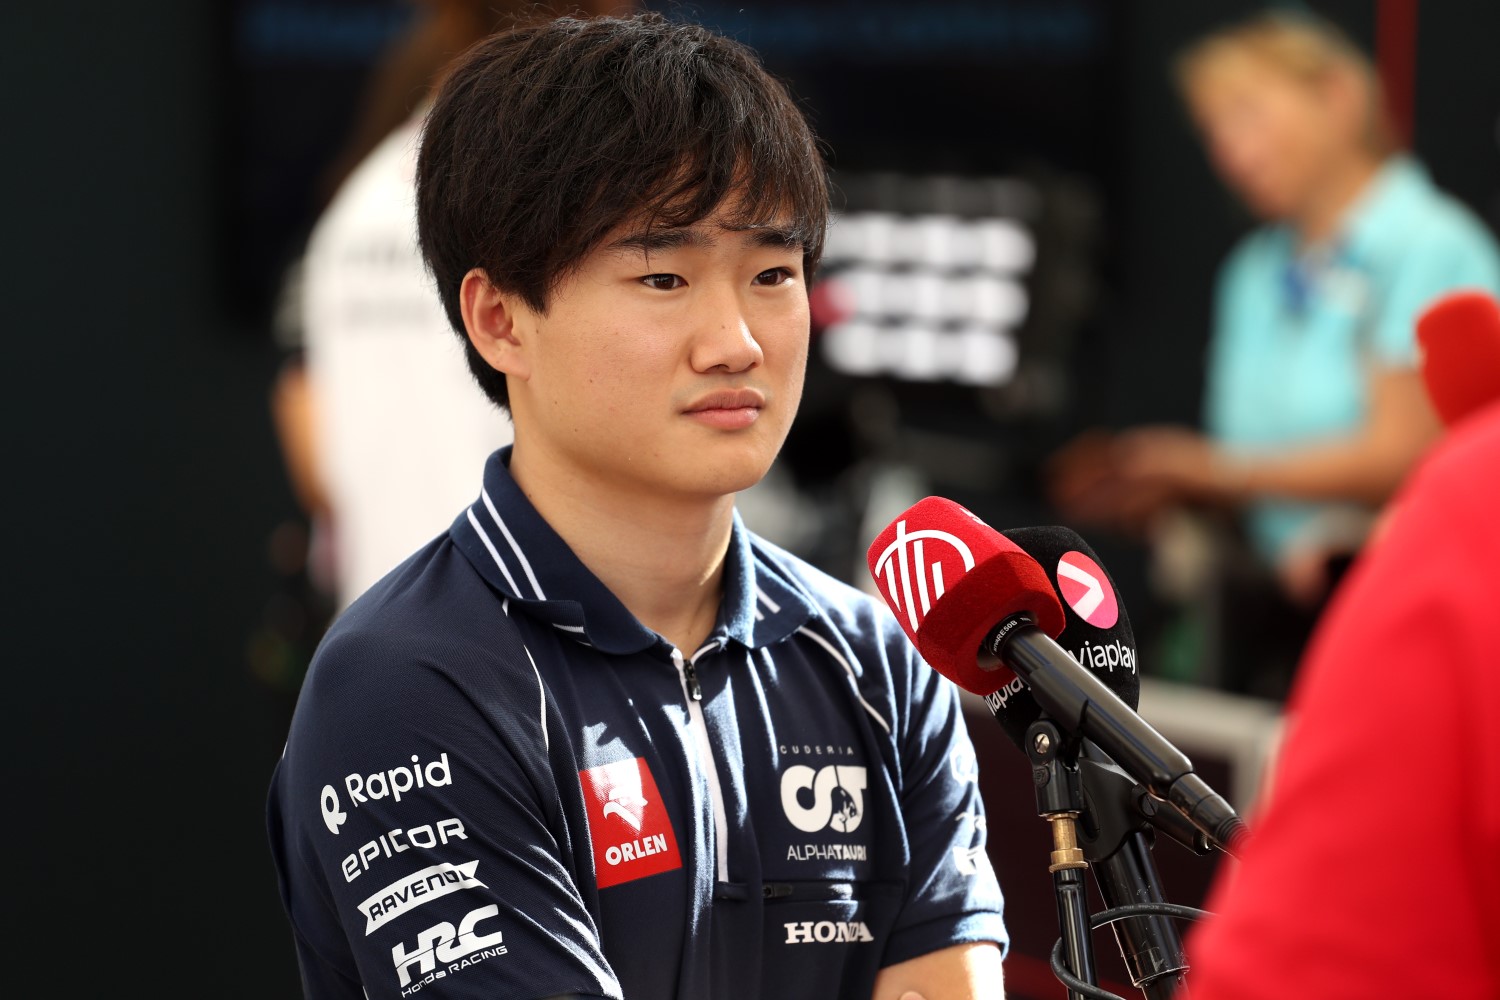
x=1459, y=337
x=949, y=577
x=971, y=599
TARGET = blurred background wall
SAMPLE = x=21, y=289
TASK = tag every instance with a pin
x=158, y=174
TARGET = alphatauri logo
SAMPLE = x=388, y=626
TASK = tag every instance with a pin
x=829, y=797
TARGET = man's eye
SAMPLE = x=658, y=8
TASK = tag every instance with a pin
x=663, y=282
x=774, y=276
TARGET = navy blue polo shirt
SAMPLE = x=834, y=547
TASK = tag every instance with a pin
x=499, y=783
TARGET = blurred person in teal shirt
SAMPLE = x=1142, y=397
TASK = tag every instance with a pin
x=1314, y=409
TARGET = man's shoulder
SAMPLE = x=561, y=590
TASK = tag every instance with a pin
x=430, y=619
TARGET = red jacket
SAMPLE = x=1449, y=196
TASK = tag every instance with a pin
x=1374, y=864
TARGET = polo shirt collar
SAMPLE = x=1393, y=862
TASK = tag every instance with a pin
x=516, y=551
x=1383, y=206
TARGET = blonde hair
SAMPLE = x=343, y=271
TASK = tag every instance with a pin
x=1304, y=47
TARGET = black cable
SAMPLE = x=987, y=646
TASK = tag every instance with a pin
x=1147, y=910
x=1097, y=920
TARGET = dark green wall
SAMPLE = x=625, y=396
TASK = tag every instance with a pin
x=143, y=482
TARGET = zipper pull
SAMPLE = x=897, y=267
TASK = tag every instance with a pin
x=691, y=673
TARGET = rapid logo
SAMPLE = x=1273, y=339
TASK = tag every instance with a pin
x=367, y=787
x=629, y=827
x=827, y=931
x=415, y=889
x=393, y=842
x=456, y=947
x=1084, y=586
x=832, y=796
x=333, y=816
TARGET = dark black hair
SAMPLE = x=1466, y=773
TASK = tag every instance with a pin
x=546, y=137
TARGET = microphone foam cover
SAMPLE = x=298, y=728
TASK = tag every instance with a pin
x=949, y=578
x=1098, y=633
x=1459, y=335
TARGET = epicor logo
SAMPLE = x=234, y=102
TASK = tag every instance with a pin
x=836, y=796
x=1086, y=589
x=907, y=557
x=628, y=826
x=390, y=843
x=333, y=816
x=456, y=947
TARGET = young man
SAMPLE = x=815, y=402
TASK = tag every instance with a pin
x=598, y=739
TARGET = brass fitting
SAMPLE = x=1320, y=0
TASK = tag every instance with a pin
x=1065, y=850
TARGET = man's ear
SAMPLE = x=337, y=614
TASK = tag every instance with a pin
x=490, y=318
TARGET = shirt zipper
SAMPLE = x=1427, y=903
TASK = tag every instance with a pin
x=687, y=673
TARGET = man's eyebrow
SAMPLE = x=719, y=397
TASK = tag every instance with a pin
x=774, y=237
x=665, y=239
x=661, y=240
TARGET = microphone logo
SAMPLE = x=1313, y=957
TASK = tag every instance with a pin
x=1084, y=586
x=913, y=575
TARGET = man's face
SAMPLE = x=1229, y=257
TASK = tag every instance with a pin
x=670, y=362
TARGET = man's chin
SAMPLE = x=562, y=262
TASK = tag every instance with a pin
x=726, y=482
x=723, y=475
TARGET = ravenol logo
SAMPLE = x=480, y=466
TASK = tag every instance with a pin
x=406, y=894
x=922, y=579
x=833, y=796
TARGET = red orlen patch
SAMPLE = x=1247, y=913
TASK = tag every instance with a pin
x=628, y=824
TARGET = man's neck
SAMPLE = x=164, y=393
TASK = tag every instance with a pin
x=1322, y=215
x=663, y=558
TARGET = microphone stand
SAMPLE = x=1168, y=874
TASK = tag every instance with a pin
x=1116, y=835
x=1060, y=801
x=1101, y=818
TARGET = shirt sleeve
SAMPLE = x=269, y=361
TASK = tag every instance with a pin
x=418, y=836
x=1371, y=862
x=1456, y=252
x=953, y=896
